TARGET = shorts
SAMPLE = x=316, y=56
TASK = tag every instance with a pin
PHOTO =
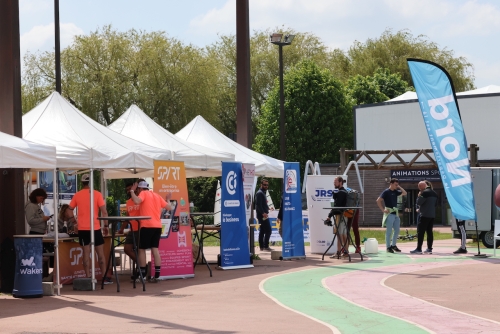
x=84, y=237
x=341, y=225
x=129, y=240
x=149, y=238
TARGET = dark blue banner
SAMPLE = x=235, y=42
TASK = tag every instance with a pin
x=439, y=107
x=234, y=248
x=292, y=230
x=29, y=271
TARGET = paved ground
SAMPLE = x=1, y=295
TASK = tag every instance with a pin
x=388, y=293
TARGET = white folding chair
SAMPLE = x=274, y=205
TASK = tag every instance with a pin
x=496, y=237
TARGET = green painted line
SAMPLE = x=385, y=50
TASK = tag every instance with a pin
x=304, y=292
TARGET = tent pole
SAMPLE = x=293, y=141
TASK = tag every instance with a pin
x=55, y=187
x=92, y=236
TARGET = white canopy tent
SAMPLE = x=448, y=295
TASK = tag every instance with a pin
x=16, y=152
x=200, y=132
x=483, y=90
x=198, y=160
x=82, y=143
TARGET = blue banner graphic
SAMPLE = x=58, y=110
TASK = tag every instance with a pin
x=292, y=230
x=234, y=248
x=437, y=100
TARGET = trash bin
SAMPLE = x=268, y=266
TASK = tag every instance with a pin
x=28, y=271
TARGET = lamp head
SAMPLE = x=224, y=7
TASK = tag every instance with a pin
x=275, y=38
x=288, y=39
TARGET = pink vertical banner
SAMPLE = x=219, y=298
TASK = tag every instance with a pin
x=175, y=243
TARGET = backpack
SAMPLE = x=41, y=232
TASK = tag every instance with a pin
x=353, y=199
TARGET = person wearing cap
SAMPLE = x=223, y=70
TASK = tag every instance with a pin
x=150, y=204
x=81, y=200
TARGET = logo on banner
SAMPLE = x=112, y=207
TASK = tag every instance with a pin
x=75, y=253
x=322, y=194
x=291, y=181
x=165, y=172
x=28, y=262
x=231, y=182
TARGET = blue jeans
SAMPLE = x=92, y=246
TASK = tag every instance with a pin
x=392, y=222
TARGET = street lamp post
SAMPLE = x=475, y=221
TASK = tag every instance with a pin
x=280, y=41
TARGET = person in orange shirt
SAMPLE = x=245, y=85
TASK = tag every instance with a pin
x=150, y=204
x=81, y=200
x=132, y=210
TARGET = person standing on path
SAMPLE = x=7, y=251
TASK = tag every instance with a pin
x=339, y=200
x=150, y=204
x=81, y=200
x=388, y=204
x=262, y=210
x=426, y=201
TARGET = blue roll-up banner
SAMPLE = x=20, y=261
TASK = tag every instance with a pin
x=234, y=248
x=292, y=230
x=438, y=102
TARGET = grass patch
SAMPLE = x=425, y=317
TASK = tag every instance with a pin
x=380, y=235
x=364, y=233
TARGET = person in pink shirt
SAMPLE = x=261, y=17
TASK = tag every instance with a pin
x=81, y=200
x=150, y=204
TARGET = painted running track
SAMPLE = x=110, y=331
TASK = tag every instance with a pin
x=352, y=297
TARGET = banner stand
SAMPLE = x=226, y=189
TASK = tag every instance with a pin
x=292, y=229
x=234, y=247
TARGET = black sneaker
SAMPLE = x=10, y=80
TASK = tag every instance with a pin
x=107, y=281
x=460, y=251
x=396, y=249
x=416, y=251
x=390, y=250
x=268, y=249
x=428, y=251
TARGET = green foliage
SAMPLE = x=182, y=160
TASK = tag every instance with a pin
x=264, y=69
x=318, y=117
x=391, y=50
x=111, y=206
x=363, y=90
x=390, y=84
x=201, y=191
x=380, y=87
x=103, y=73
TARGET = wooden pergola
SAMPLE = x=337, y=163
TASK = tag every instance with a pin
x=357, y=155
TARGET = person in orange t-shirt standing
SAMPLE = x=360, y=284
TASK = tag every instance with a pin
x=81, y=200
x=132, y=210
x=150, y=205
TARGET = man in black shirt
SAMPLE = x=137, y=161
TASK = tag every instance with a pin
x=426, y=201
x=262, y=210
x=340, y=200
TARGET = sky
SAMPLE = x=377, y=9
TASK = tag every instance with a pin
x=470, y=28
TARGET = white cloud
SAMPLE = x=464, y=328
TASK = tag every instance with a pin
x=41, y=37
x=217, y=20
x=475, y=19
x=34, y=6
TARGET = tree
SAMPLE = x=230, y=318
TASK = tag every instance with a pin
x=363, y=90
x=318, y=117
x=380, y=87
x=202, y=193
x=391, y=50
x=264, y=68
x=104, y=72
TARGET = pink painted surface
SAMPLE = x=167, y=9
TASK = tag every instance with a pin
x=367, y=290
